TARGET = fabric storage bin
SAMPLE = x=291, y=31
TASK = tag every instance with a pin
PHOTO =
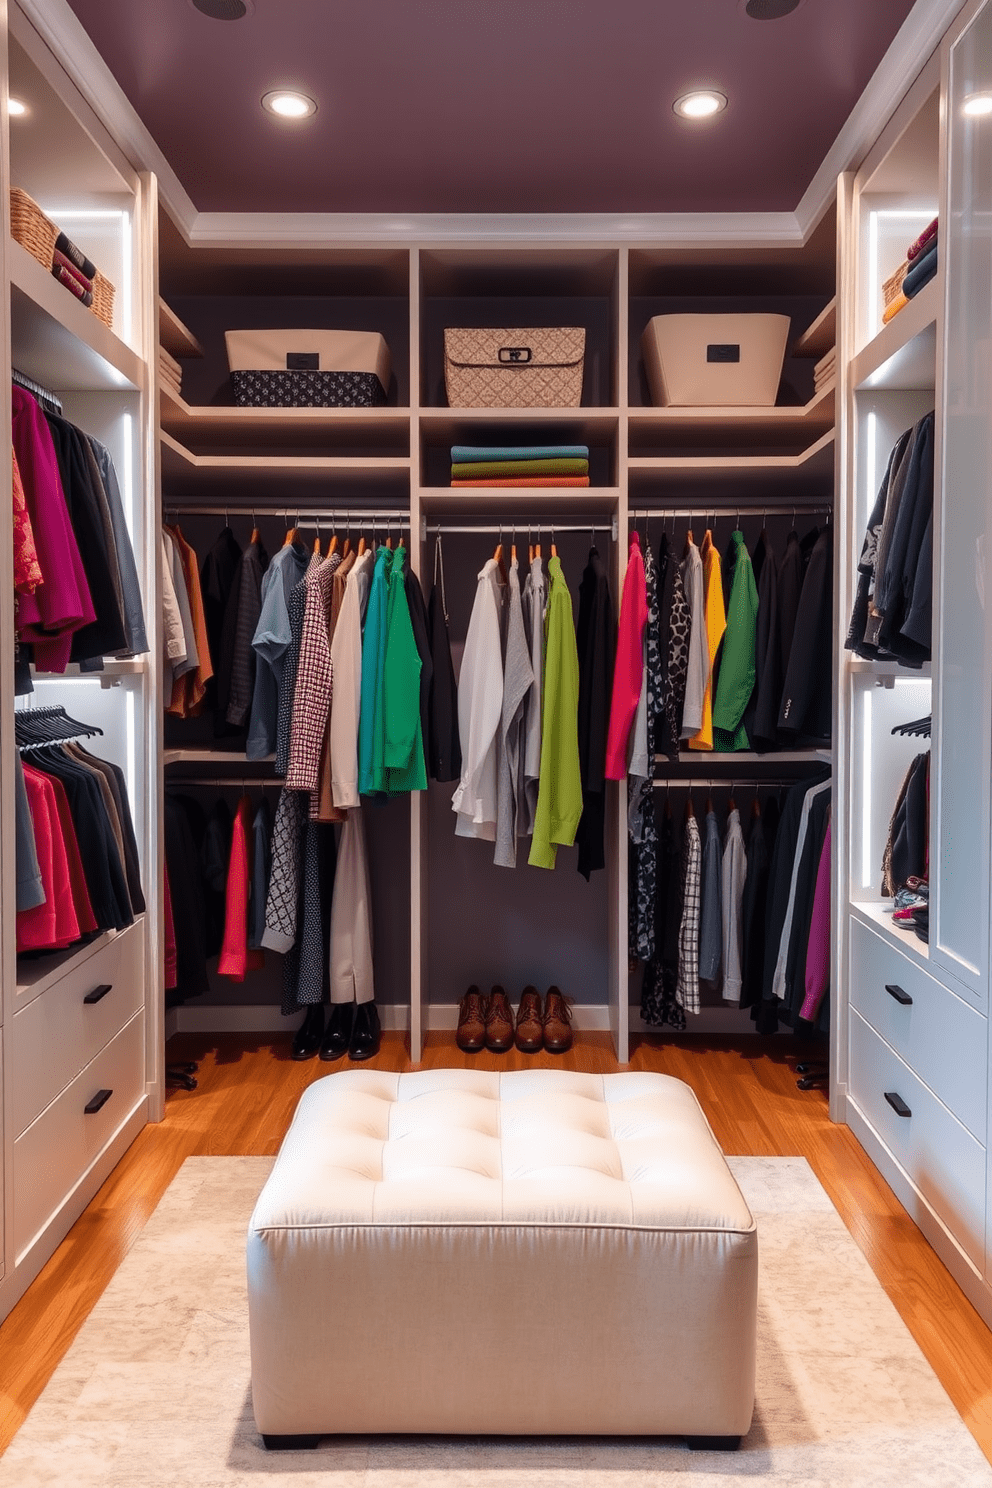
x=308, y=369
x=712, y=361
x=501, y=367
x=39, y=235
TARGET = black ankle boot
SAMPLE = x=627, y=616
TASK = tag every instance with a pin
x=365, y=1032
x=309, y=1034
x=337, y=1035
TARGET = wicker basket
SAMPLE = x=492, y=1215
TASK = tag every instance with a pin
x=33, y=230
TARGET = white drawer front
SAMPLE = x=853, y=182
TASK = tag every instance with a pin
x=58, y=1033
x=941, y=1157
x=54, y=1152
x=940, y=1037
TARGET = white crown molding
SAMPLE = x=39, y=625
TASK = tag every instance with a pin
x=63, y=34
x=912, y=47
x=914, y=43
x=606, y=229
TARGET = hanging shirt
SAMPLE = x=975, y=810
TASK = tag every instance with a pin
x=314, y=681
x=443, y=743
x=711, y=906
x=400, y=743
x=271, y=642
x=235, y=957
x=687, y=985
x=735, y=683
x=596, y=641
x=698, y=658
x=518, y=679
x=675, y=633
x=559, y=801
x=628, y=674
x=480, y=705
x=716, y=624
x=322, y=807
x=817, y=969
x=350, y=943
x=370, y=723
x=346, y=665
x=240, y=622
x=807, y=689
x=27, y=569
x=134, y=616
x=534, y=601
x=762, y=718
x=733, y=873
x=189, y=691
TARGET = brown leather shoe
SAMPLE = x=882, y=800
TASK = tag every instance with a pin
x=471, y=1035
x=530, y=1023
x=557, y=1023
x=499, y=1022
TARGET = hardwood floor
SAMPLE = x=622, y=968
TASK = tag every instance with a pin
x=248, y=1089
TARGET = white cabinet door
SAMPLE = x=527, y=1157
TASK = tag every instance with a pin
x=959, y=928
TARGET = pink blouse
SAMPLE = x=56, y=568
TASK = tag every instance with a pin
x=629, y=670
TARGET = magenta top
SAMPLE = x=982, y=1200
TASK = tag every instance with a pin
x=629, y=669
x=818, y=945
x=61, y=604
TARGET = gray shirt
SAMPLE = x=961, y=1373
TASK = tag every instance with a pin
x=518, y=682
x=30, y=886
x=271, y=642
x=699, y=653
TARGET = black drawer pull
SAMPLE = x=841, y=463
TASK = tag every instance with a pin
x=897, y=1103
x=894, y=990
x=102, y=1096
x=99, y=992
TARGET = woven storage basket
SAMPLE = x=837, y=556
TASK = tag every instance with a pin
x=33, y=230
x=531, y=367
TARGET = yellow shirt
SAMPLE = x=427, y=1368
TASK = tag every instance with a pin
x=716, y=624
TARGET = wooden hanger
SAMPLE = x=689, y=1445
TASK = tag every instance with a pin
x=690, y=810
x=361, y=547
x=333, y=545
x=290, y=537
x=537, y=550
x=498, y=559
x=316, y=546
x=347, y=548
x=254, y=535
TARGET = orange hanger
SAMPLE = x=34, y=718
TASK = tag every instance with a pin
x=690, y=810
x=537, y=550
x=316, y=546
x=389, y=543
x=290, y=537
x=254, y=534
x=530, y=553
x=332, y=546
x=554, y=550
x=513, y=552
x=347, y=547
x=361, y=546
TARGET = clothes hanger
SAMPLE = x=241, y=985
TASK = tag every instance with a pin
x=690, y=809
x=554, y=548
x=254, y=530
x=333, y=545
x=316, y=541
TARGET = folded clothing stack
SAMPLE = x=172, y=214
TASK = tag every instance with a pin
x=170, y=371
x=825, y=370
x=520, y=465
x=919, y=268
x=72, y=268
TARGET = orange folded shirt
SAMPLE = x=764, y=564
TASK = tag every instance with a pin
x=899, y=303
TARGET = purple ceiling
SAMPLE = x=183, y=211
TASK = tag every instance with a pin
x=493, y=105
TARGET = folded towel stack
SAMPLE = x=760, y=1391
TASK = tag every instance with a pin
x=73, y=269
x=825, y=370
x=520, y=465
x=170, y=371
x=915, y=274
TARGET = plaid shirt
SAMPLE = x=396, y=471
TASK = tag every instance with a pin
x=687, y=987
x=314, y=681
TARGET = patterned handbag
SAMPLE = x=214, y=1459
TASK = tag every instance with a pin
x=514, y=368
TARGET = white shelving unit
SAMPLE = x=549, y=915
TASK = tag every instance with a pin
x=57, y=1050
x=911, y=1032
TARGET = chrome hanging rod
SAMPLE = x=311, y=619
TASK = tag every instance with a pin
x=729, y=509
x=739, y=781
x=301, y=516
x=519, y=524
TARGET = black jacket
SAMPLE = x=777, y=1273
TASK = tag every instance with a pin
x=596, y=641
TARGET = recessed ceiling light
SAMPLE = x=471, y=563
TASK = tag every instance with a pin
x=224, y=10
x=16, y=108
x=978, y=103
x=702, y=104
x=288, y=105
x=770, y=10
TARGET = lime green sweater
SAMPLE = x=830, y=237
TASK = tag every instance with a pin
x=559, y=797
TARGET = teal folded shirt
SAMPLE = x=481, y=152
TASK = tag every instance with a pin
x=467, y=453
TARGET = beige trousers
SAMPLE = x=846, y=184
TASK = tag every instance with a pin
x=351, y=917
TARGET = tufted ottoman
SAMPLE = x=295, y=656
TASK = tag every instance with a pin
x=537, y=1252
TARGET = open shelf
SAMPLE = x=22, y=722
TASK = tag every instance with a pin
x=217, y=429
x=585, y=425
x=594, y=500
x=821, y=335
x=185, y=471
x=58, y=341
x=214, y=757
x=862, y=666
x=902, y=356
x=176, y=339
x=747, y=472
x=747, y=757
x=775, y=431
x=878, y=914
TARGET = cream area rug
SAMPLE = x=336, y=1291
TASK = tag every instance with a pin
x=156, y=1389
